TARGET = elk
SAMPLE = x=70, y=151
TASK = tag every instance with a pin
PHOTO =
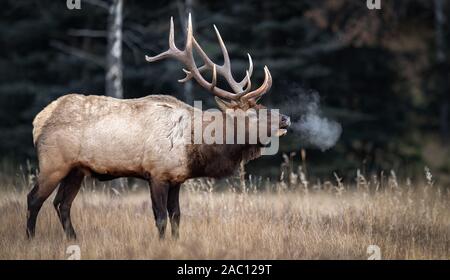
x=107, y=138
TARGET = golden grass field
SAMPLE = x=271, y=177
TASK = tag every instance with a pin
x=286, y=219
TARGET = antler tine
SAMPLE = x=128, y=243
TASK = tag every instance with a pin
x=172, y=36
x=158, y=57
x=225, y=69
x=250, y=67
x=257, y=93
x=172, y=51
x=189, y=74
x=248, y=82
x=226, y=57
x=187, y=58
x=249, y=73
x=214, y=78
x=237, y=87
x=188, y=48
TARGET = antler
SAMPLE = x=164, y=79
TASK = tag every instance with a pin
x=241, y=89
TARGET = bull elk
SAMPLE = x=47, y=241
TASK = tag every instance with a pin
x=106, y=138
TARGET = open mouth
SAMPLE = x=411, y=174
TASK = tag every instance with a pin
x=283, y=128
x=285, y=125
x=281, y=132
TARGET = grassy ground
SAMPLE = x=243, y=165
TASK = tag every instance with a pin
x=294, y=220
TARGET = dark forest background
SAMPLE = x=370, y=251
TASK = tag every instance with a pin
x=383, y=74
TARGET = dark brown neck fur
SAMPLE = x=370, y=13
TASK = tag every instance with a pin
x=219, y=160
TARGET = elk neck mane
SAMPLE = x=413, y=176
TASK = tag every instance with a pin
x=219, y=160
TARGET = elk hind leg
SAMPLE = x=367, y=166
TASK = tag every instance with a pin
x=67, y=192
x=47, y=183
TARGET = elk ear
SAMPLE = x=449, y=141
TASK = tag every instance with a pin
x=222, y=104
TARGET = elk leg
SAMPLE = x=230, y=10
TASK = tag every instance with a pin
x=47, y=183
x=34, y=205
x=159, y=191
x=67, y=192
x=173, y=207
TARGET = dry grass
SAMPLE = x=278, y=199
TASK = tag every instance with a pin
x=289, y=219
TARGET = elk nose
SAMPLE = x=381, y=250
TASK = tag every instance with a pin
x=285, y=121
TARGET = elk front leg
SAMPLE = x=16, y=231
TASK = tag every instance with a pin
x=173, y=207
x=159, y=192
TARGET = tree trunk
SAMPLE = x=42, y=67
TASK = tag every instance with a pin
x=442, y=85
x=113, y=80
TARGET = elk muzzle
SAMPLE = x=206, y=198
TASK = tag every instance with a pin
x=285, y=122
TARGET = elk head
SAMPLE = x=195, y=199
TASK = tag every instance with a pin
x=243, y=100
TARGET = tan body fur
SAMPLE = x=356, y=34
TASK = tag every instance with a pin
x=137, y=137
